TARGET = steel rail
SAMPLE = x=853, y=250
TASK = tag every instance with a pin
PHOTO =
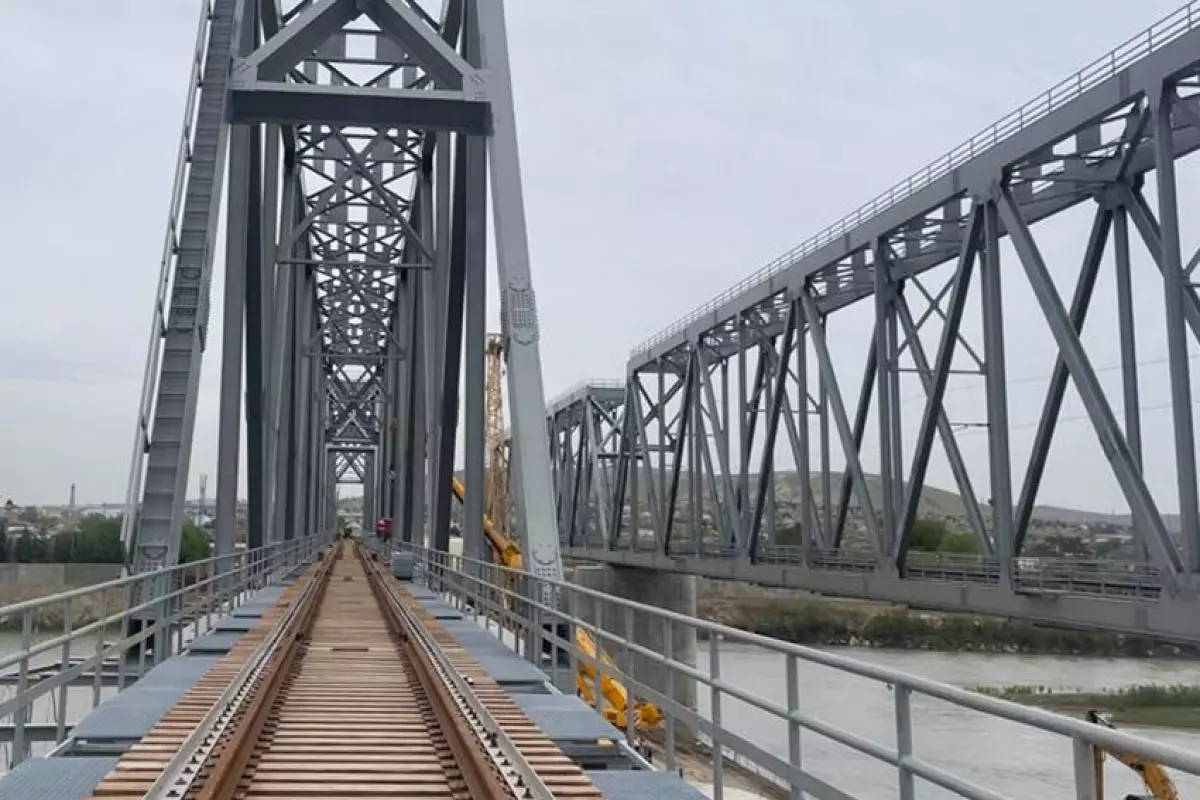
x=235, y=752
x=484, y=750
x=183, y=769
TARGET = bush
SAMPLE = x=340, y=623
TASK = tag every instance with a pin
x=928, y=534
x=196, y=544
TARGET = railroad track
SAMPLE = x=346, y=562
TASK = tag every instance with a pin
x=347, y=689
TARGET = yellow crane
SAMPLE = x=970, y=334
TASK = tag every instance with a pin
x=1156, y=779
x=506, y=552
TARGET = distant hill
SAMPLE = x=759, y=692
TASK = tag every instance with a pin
x=934, y=501
x=942, y=502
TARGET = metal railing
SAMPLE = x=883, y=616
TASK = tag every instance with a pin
x=1135, y=48
x=581, y=387
x=1114, y=579
x=657, y=673
x=82, y=631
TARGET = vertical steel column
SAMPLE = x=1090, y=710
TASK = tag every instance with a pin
x=383, y=413
x=832, y=538
x=269, y=232
x=239, y=251
x=1126, y=332
x=742, y=496
x=530, y=442
x=999, y=460
x=282, y=343
x=306, y=361
x=401, y=386
x=308, y=503
x=884, y=316
x=450, y=367
x=475, y=280
x=803, y=462
x=1175, y=286
x=437, y=226
x=370, y=492
x=695, y=467
x=256, y=344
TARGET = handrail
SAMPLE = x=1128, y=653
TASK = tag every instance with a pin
x=1078, y=730
x=178, y=597
x=116, y=583
x=581, y=386
x=1153, y=38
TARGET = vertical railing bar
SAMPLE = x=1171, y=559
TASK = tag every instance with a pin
x=904, y=741
x=714, y=672
x=64, y=663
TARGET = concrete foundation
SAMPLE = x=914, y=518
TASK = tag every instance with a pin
x=668, y=591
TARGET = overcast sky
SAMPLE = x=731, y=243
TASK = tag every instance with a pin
x=669, y=148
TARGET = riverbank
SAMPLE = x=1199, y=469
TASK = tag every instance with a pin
x=1148, y=705
x=805, y=619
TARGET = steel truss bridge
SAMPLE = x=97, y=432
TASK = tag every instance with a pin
x=357, y=141
x=674, y=468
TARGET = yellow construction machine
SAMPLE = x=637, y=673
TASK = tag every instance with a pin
x=506, y=552
x=616, y=698
x=1155, y=778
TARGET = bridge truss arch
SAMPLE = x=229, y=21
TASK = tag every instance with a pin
x=356, y=142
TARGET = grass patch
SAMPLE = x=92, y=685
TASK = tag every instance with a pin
x=825, y=623
x=1150, y=705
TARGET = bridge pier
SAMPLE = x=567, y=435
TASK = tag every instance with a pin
x=668, y=591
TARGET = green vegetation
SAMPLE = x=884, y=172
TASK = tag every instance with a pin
x=1162, y=706
x=935, y=536
x=929, y=535
x=829, y=623
x=196, y=544
x=95, y=540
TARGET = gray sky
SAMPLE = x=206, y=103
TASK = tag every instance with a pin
x=669, y=148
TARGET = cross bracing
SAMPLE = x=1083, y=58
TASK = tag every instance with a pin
x=355, y=142
x=719, y=402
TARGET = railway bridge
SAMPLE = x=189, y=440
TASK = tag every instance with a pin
x=354, y=146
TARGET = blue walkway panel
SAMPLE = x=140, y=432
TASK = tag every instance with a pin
x=65, y=778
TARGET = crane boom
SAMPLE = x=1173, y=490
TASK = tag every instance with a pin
x=1155, y=778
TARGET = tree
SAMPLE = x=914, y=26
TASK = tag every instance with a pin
x=62, y=549
x=959, y=542
x=928, y=534
x=96, y=540
x=29, y=514
x=195, y=545
x=30, y=549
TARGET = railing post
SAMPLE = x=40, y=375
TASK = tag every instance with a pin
x=143, y=642
x=97, y=674
x=718, y=754
x=904, y=741
x=669, y=653
x=793, y=704
x=630, y=699
x=1088, y=774
x=20, y=749
x=60, y=732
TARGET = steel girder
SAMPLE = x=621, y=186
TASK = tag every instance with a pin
x=715, y=402
x=362, y=136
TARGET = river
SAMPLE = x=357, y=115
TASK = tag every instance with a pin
x=1008, y=758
